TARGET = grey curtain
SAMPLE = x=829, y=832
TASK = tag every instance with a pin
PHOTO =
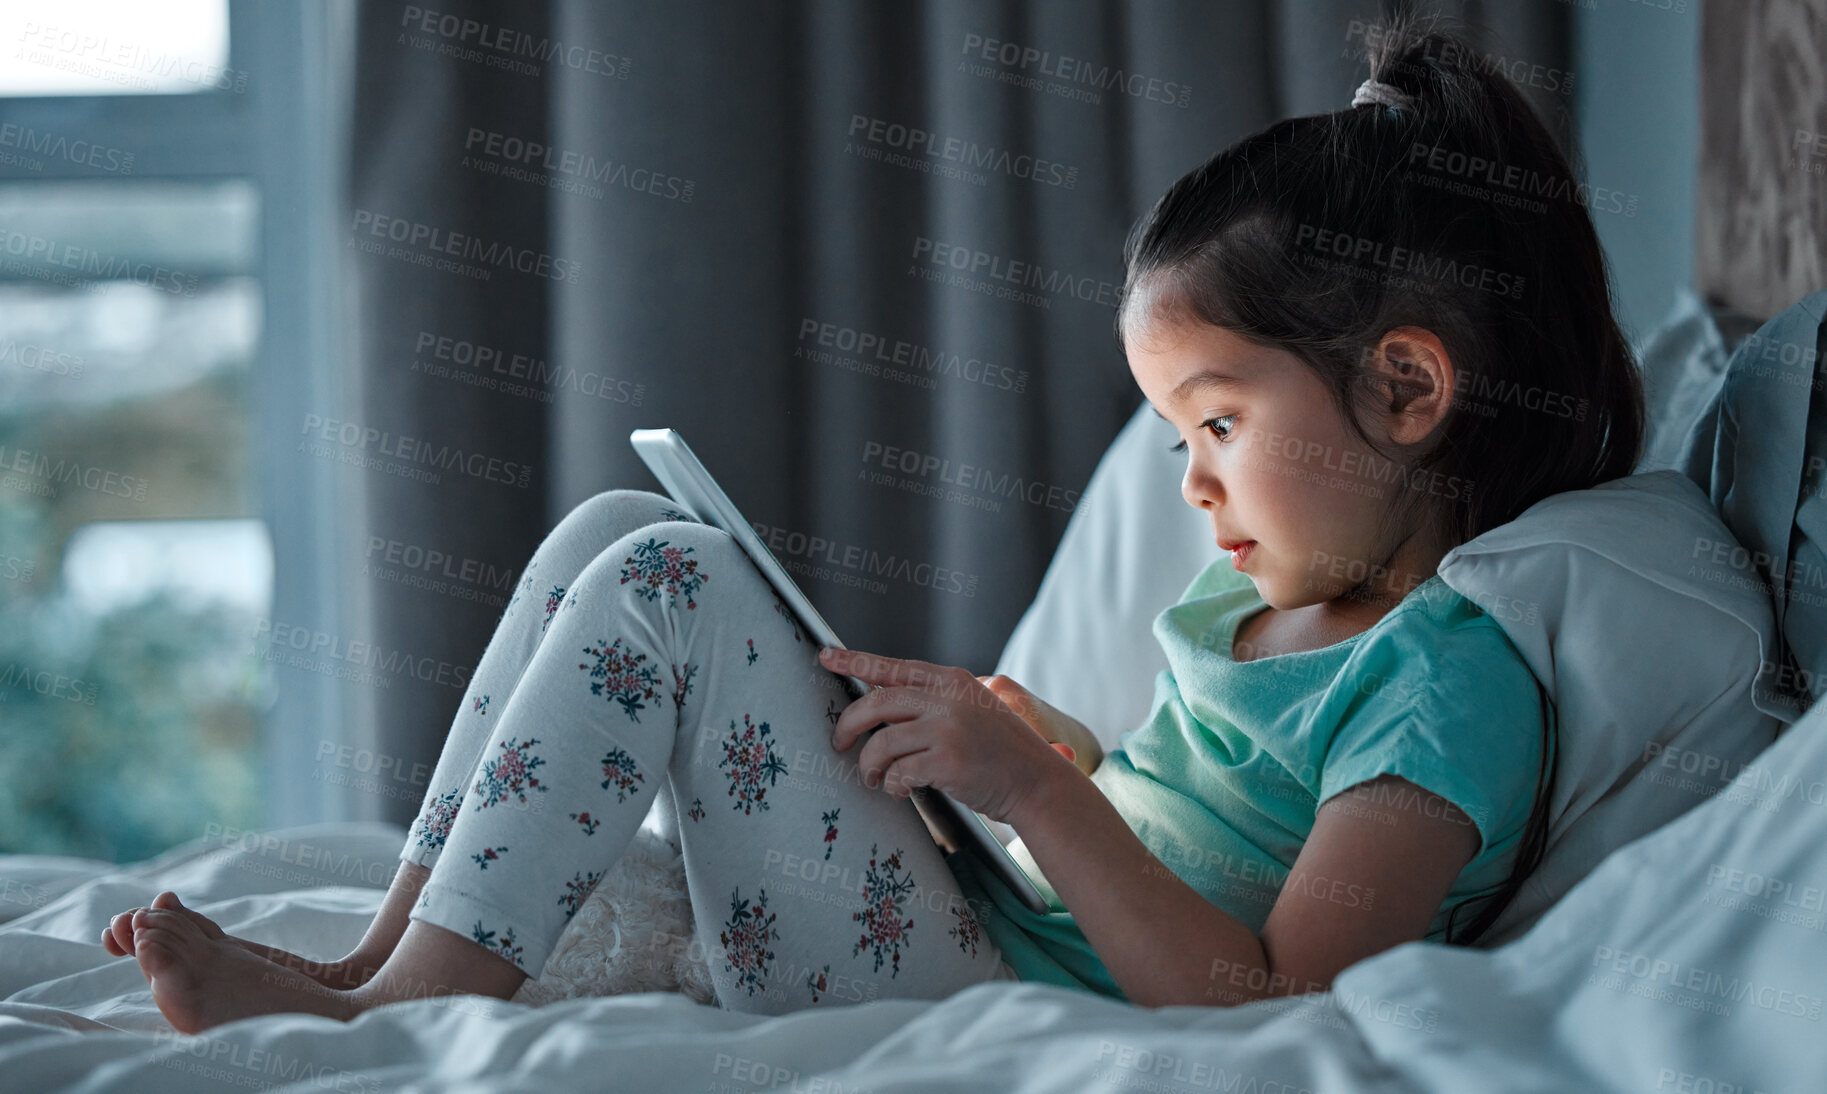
x=746, y=220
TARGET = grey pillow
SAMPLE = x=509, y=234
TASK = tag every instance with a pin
x=1634, y=606
x=1682, y=360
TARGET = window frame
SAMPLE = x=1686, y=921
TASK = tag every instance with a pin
x=283, y=132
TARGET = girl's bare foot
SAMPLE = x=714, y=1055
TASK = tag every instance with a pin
x=200, y=980
x=117, y=939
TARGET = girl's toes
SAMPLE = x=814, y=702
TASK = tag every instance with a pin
x=121, y=927
x=109, y=944
x=167, y=932
x=159, y=951
x=168, y=901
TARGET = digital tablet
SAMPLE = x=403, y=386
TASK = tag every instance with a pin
x=953, y=826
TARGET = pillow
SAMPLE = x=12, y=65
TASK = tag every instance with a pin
x=1759, y=450
x=1683, y=359
x=1640, y=613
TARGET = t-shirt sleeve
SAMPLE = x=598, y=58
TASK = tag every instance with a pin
x=1454, y=710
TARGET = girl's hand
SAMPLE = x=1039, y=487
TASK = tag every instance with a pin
x=1067, y=734
x=945, y=730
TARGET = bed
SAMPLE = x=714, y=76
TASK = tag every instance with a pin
x=1690, y=960
x=1676, y=939
x=1683, y=955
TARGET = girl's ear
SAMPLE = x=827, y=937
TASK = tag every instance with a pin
x=1415, y=381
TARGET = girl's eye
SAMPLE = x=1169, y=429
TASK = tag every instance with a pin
x=1229, y=421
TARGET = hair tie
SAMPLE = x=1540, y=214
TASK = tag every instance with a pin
x=1374, y=92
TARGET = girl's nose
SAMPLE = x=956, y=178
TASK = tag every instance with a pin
x=1200, y=488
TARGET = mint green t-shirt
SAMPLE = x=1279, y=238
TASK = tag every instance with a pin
x=1222, y=782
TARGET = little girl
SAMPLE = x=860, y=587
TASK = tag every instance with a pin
x=1379, y=332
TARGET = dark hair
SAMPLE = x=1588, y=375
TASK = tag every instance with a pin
x=1458, y=214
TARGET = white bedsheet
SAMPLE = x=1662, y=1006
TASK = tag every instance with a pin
x=1673, y=968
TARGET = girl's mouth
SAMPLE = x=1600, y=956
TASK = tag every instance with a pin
x=1240, y=553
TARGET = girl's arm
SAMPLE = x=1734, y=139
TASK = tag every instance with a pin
x=1373, y=873
x=1376, y=867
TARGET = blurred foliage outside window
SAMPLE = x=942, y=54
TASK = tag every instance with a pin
x=133, y=566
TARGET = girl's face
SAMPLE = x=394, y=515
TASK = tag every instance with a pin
x=1269, y=459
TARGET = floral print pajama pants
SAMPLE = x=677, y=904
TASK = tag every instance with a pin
x=643, y=655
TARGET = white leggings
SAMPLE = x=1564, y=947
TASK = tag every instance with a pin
x=642, y=654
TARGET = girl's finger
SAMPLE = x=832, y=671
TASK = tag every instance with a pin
x=906, y=773
x=871, y=710
x=887, y=748
x=1010, y=694
x=863, y=666
x=875, y=668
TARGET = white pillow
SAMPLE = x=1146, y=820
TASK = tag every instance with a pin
x=1639, y=612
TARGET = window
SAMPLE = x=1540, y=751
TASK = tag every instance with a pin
x=116, y=47
x=137, y=366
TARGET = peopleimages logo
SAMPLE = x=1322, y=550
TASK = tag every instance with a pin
x=407, y=453
x=558, y=168
x=514, y=373
x=41, y=358
x=502, y=47
x=44, y=471
x=1520, y=182
x=118, y=61
x=54, y=146
x=48, y=684
x=1069, y=77
x=861, y=562
x=1662, y=978
x=925, y=144
x=320, y=651
x=1398, y=261
x=37, y=252
x=877, y=352
x=476, y=254
x=1519, y=71
x=1005, y=485
x=1010, y=275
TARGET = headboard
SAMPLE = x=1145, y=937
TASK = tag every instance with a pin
x=1761, y=201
